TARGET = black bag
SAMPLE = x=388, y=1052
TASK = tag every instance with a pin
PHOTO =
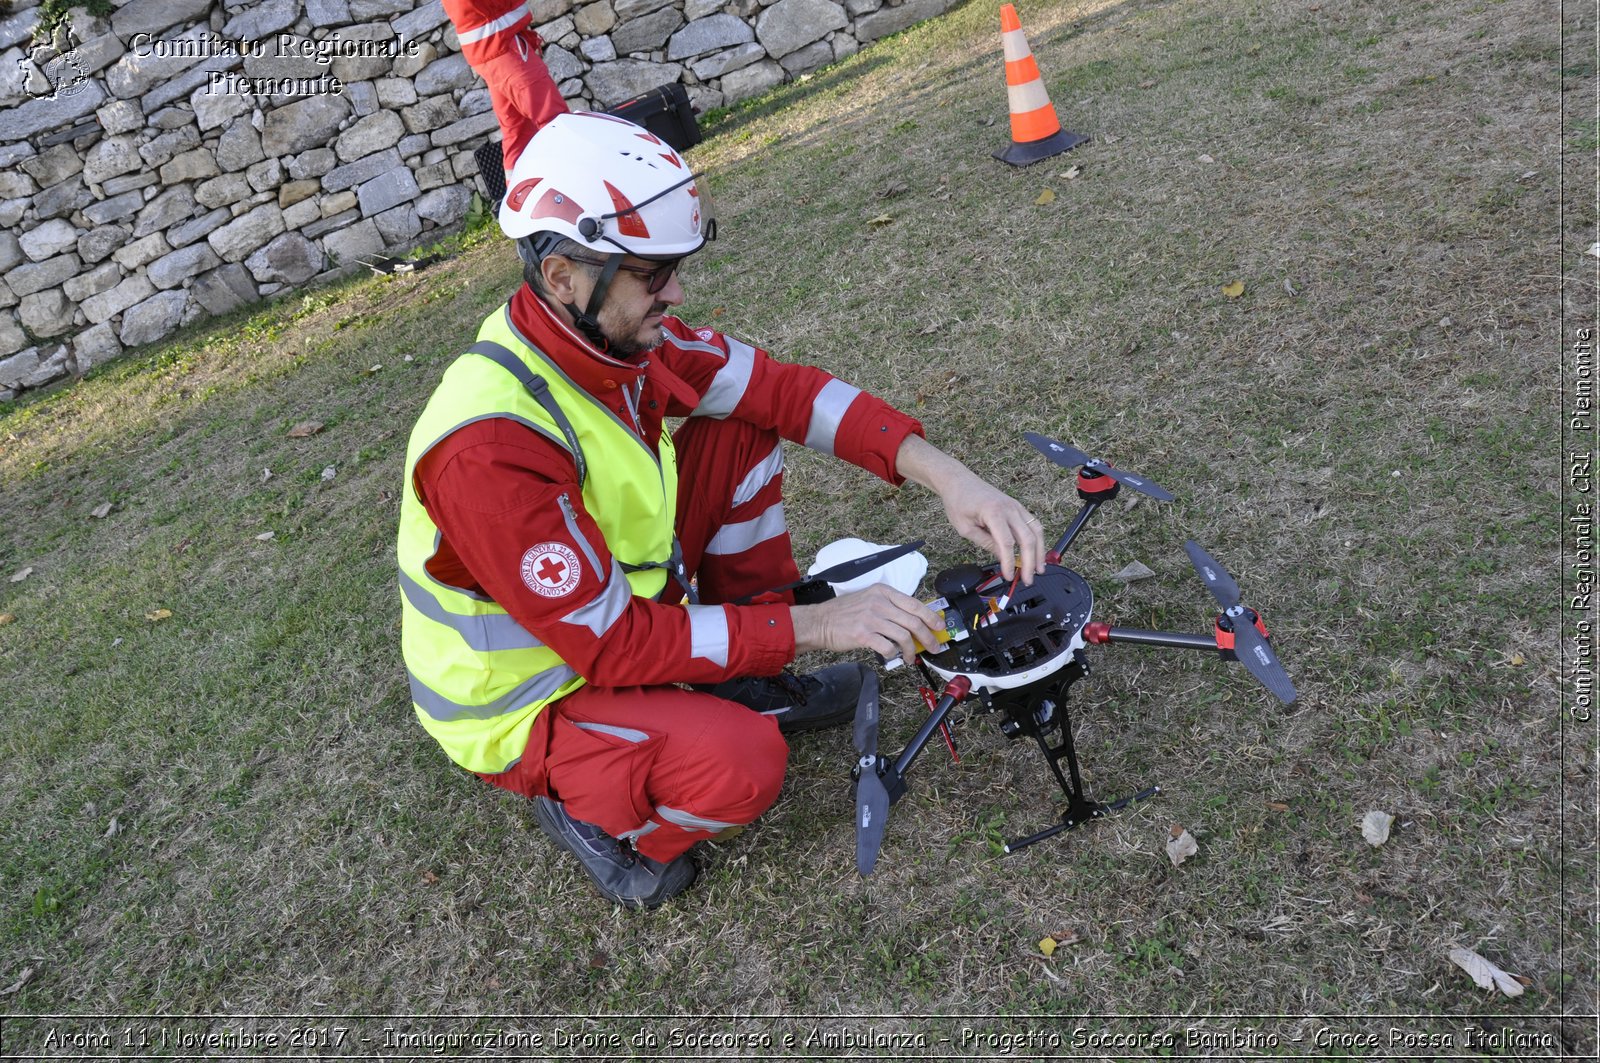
x=664, y=111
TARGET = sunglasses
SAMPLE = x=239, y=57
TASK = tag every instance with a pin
x=656, y=276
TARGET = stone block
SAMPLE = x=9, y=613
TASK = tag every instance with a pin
x=141, y=70
x=37, y=276
x=116, y=208
x=545, y=10
x=190, y=231
x=293, y=192
x=128, y=182
x=408, y=64
x=708, y=35
x=752, y=80
x=96, y=346
x=154, y=319
x=239, y=146
x=365, y=67
x=419, y=23
x=337, y=203
x=627, y=9
x=735, y=58
x=789, y=25
x=131, y=256
x=225, y=288
x=598, y=49
x=48, y=240
x=350, y=245
x=265, y=175
x=298, y=215
x=612, y=83
x=704, y=99
x=53, y=165
x=120, y=116
x=399, y=225
x=366, y=10
x=313, y=163
x=108, y=304
x=213, y=110
x=645, y=33
x=844, y=46
x=222, y=191
x=262, y=20
x=166, y=210
x=10, y=251
x=352, y=174
x=413, y=145
x=395, y=93
x=561, y=63
x=29, y=119
x=288, y=259
x=160, y=149
x=153, y=16
x=234, y=241
x=11, y=211
x=445, y=206
x=171, y=270
x=19, y=368
x=112, y=156
x=387, y=190
x=102, y=278
x=592, y=20
x=12, y=338
x=445, y=75
x=363, y=97
x=478, y=125
x=435, y=112
x=328, y=13
x=46, y=313
x=894, y=19
x=190, y=166
x=813, y=56
x=62, y=199
x=478, y=100
x=307, y=123
x=369, y=135
x=330, y=223
x=98, y=243
x=15, y=184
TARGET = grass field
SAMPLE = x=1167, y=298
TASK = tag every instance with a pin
x=230, y=809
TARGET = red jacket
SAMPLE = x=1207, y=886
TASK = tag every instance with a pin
x=485, y=27
x=492, y=488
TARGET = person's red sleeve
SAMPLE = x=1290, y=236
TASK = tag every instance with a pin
x=801, y=402
x=513, y=527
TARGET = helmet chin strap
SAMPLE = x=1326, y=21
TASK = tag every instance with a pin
x=588, y=319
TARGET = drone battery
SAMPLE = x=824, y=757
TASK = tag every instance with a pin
x=954, y=629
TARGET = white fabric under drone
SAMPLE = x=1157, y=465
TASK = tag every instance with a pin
x=904, y=573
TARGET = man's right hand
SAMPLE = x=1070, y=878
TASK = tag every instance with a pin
x=878, y=618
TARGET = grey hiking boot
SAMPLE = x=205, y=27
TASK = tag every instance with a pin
x=622, y=875
x=800, y=703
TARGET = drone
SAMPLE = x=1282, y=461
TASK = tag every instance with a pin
x=1016, y=650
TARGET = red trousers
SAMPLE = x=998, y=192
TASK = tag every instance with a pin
x=664, y=766
x=522, y=92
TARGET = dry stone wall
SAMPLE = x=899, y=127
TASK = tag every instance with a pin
x=181, y=158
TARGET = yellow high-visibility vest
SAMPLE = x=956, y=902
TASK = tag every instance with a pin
x=478, y=678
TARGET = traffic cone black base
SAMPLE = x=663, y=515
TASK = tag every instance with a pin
x=1038, y=150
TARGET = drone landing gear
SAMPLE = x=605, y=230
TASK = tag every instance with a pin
x=1039, y=714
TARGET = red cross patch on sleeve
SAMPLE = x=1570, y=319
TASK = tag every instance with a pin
x=551, y=570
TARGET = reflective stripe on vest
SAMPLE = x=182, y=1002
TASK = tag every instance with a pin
x=478, y=678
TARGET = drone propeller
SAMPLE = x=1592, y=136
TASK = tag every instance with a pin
x=845, y=571
x=871, y=796
x=1069, y=457
x=1250, y=646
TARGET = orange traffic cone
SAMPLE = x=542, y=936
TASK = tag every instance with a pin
x=1036, y=133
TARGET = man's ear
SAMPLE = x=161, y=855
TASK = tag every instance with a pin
x=560, y=278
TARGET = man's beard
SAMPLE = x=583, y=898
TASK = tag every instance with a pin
x=630, y=348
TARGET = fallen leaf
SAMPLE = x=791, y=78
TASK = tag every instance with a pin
x=266, y=536
x=1207, y=159
x=1277, y=806
x=329, y=473
x=1147, y=84
x=266, y=474
x=23, y=979
x=113, y=828
x=1375, y=827
x=374, y=369
x=1288, y=287
x=1181, y=845
x=1594, y=249
x=7, y=618
x=116, y=642
x=305, y=429
x=880, y=220
x=407, y=358
x=1073, y=173
x=718, y=311
x=1133, y=573
x=1486, y=974
x=1047, y=946
x=894, y=188
x=1066, y=937
x=429, y=878
x=1046, y=197
x=599, y=961
x=24, y=574
x=1517, y=660
x=158, y=614
x=1234, y=290
x=101, y=512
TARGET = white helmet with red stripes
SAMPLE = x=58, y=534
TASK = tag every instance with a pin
x=607, y=183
